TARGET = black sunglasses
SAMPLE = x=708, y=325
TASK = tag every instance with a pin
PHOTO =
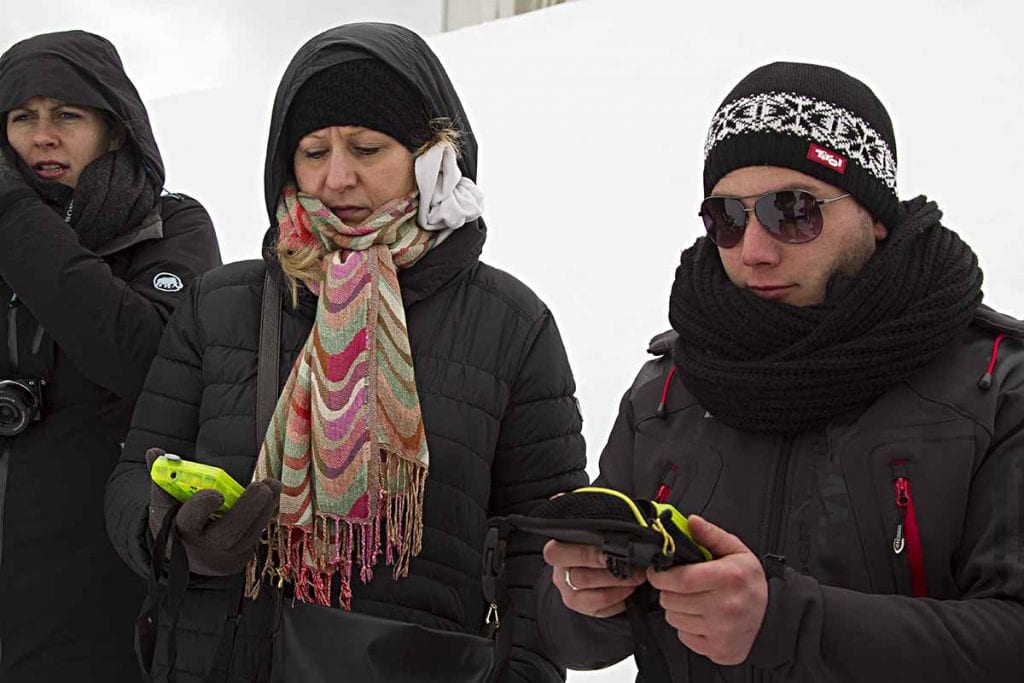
x=790, y=216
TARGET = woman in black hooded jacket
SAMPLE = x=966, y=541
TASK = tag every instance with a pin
x=92, y=264
x=362, y=142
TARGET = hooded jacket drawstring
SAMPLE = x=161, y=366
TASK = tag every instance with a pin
x=985, y=383
x=660, y=412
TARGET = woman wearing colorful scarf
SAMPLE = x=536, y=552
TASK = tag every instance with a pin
x=93, y=261
x=423, y=391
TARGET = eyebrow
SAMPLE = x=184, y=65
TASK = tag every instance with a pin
x=34, y=110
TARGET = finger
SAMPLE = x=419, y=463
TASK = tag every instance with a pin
x=274, y=485
x=240, y=533
x=561, y=554
x=597, y=602
x=718, y=541
x=151, y=455
x=586, y=578
x=695, y=642
x=714, y=575
x=195, y=512
x=690, y=603
x=251, y=503
x=693, y=625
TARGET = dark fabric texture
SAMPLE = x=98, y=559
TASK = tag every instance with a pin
x=809, y=104
x=13, y=185
x=764, y=367
x=90, y=326
x=88, y=322
x=112, y=198
x=496, y=394
x=360, y=92
x=825, y=500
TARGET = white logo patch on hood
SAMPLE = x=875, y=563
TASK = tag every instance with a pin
x=168, y=282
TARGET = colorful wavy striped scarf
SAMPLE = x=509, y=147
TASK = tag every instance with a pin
x=347, y=438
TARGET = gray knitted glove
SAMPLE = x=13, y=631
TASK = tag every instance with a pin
x=222, y=546
x=216, y=546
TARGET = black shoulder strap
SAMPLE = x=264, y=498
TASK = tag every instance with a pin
x=268, y=369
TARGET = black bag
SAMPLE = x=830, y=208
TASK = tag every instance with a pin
x=327, y=644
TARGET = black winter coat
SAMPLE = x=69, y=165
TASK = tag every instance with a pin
x=842, y=605
x=496, y=393
x=89, y=324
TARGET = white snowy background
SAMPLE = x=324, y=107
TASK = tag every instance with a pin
x=591, y=119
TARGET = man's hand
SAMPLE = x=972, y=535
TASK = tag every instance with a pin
x=717, y=606
x=595, y=591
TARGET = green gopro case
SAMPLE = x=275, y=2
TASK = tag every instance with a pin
x=182, y=478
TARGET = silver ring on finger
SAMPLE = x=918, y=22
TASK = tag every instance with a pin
x=568, y=580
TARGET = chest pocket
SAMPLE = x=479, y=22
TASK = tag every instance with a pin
x=909, y=496
x=683, y=473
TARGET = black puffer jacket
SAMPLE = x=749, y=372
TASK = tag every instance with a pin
x=89, y=324
x=493, y=380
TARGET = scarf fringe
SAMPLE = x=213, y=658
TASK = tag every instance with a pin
x=311, y=558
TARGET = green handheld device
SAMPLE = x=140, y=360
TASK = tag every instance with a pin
x=182, y=478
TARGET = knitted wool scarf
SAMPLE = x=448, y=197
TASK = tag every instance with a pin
x=347, y=437
x=767, y=367
x=111, y=199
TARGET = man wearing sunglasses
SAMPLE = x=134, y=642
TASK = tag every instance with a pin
x=835, y=409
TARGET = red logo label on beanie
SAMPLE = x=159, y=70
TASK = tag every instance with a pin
x=826, y=158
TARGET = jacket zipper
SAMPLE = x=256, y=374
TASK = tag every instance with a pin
x=777, y=496
x=908, y=534
x=775, y=514
x=665, y=484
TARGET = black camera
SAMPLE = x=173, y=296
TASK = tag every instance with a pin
x=21, y=402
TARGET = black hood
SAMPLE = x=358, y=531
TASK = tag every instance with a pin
x=79, y=68
x=397, y=47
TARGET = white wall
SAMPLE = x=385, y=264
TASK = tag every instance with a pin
x=591, y=119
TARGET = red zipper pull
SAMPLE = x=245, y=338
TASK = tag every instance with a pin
x=898, y=542
x=668, y=480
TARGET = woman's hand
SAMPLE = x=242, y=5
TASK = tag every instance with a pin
x=216, y=546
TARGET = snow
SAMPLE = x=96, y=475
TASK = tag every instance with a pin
x=591, y=119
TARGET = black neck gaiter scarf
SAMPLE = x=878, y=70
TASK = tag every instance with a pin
x=762, y=366
x=111, y=199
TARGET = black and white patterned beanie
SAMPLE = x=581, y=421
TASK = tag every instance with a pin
x=813, y=119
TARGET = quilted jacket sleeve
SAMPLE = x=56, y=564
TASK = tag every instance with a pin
x=540, y=453
x=167, y=416
x=575, y=640
x=109, y=326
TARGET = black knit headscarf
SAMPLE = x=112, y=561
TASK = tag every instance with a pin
x=763, y=366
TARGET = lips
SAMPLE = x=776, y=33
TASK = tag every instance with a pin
x=771, y=291
x=348, y=212
x=50, y=169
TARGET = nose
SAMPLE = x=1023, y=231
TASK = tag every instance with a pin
x=758, y=247
x=341, y=174
x=43, y=134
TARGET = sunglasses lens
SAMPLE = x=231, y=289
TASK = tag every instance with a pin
x=724, y=219
x=791, y=216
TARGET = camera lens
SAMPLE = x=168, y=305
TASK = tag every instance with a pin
x=17, y=406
